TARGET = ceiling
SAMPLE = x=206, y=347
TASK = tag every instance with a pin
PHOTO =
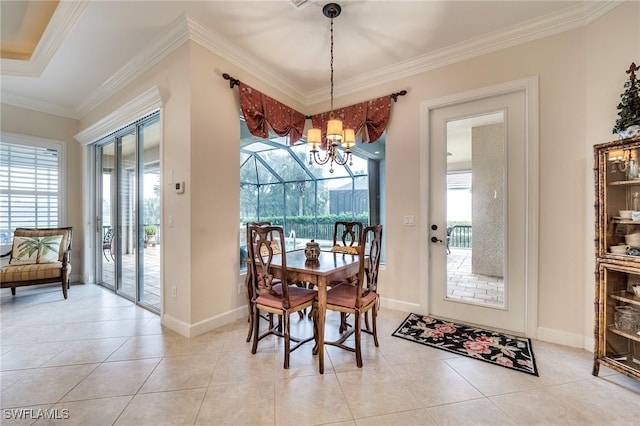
x=90, y=49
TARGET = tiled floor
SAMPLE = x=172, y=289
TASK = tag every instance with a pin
x=97, y=359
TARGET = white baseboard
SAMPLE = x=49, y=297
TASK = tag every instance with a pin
x=565, y=338
x=400, y=305
x=196, y=329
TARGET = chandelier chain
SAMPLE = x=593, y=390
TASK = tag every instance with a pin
x=331, y=114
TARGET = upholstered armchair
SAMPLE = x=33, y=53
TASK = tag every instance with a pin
x=38, y=256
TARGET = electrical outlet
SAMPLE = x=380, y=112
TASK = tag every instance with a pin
x=174, y=291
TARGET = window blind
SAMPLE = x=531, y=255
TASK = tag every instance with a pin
x=29, y=188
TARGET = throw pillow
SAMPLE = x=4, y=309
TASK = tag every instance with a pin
x=32, y=250
x=50, y=248
x=24, y=250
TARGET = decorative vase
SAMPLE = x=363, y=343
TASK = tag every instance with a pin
x=312, y=251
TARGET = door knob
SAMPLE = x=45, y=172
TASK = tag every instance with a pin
x=436, y=240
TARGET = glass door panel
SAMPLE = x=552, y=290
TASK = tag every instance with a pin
x=150, y=213
x=127, y=235
x=106, y=255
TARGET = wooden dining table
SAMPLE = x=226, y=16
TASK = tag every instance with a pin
x=329, y=267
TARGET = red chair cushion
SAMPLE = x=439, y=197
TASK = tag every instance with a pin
x=297, y=296
x=345, y=295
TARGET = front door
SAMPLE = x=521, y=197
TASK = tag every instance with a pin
x=478, y=211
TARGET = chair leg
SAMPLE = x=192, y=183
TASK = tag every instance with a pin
x=287, y=340
x=374, y=317
x=13, y=291
x=256, y=328
x=250, y=321
x=64, y=288
x=358, y=335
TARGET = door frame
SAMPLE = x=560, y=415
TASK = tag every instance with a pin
x=530, y=87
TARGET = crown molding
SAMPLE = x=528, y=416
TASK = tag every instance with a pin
x=213, y=42
x=62, y=21
x=30, y=103
x=141, y=105
x=571, y=18
x=174, y=36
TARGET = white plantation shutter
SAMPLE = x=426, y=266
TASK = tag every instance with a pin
x=29, y=186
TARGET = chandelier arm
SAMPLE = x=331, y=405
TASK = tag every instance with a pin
x=316, y=157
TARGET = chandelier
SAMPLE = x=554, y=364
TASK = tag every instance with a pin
x=335, y=134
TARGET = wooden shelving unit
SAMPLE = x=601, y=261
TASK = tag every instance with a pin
x=616, y=190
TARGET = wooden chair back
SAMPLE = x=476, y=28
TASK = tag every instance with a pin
x=373, y=241
x=266, y=242
x=347, y=234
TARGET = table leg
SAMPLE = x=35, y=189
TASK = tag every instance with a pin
x=322, y=308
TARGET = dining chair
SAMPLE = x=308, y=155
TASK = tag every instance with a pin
x=275, y=295
x=360, y=297
x=346, y=237
x=249, y=284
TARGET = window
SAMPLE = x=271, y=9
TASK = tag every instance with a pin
x=30, y=183
x=278, y=184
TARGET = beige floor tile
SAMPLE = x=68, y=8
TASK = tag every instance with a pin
x=475, y=412
x=138, y=347
x=86, y=351
x=95, y=412
x=181, y=372
x=32, y=355
x=243, y=366
x=205, y=343
x=248, y=403
x=372, y=392
x=435, y=382
x=406, y=418
x=44, y=385
x=163, y=408
x=117, y=378
x=493, y=379
x=8, y=378
x=539, y=406
x=309, y=400
x=592, y=397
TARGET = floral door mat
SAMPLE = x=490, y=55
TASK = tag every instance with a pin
x=496, y=348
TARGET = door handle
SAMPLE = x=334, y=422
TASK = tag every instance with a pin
x=436, y=240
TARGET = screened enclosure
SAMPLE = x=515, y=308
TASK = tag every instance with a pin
x=278, y=184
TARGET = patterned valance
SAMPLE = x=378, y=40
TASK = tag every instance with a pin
x=262, y=112
x=369, y=118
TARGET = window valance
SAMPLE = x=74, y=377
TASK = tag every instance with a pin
x=261, y=112
x=369, y=118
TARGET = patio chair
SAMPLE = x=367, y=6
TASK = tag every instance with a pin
x=107, y=245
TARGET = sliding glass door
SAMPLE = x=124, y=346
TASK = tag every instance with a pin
x=128, y=212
